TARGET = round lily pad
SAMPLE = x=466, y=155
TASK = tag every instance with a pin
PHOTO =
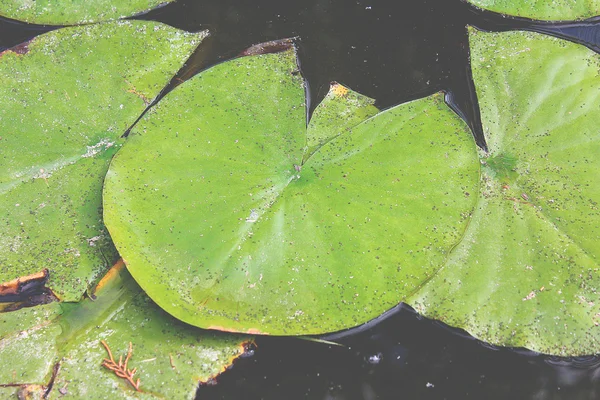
x=68, y=96
x=233, y=215
x=526, y=272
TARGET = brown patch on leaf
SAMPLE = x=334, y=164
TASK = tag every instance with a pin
x=110, y=275
x=55, y=371
x=24, y=283
x=338, y=90
x=31, y=301
x=20, y=49
x=244, y=347
x=31, y=392
x=26, y=291
x=139, y=94
x=252, y=331
x=274, y=46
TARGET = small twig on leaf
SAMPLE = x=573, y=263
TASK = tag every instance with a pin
x=172, y=363
x=120, y=369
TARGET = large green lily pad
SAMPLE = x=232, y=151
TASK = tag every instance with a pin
x=225, y=226
x=67, y=98
x=71, y=12
x=526, y=273
x=65, y=339
x=556, y=10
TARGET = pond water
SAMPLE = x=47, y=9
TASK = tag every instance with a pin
x=393, y=51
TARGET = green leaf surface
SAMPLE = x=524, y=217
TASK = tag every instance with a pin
x=27, y=344
x=526, y=273
x=340, y=111
x=552, y=10
x=67, y=98
x=72, y=12
x=224, y=226
x=170, y=357
x=10, y=392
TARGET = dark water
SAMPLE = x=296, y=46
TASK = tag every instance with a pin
x=393, y=51
x=403, y=357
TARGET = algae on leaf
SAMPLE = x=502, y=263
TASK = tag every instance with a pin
x=73, y=12
x=63, y=341
x=232, y=214
x=67, y=98
x=526, y=273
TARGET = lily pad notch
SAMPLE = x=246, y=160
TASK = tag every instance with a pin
x=245, y=219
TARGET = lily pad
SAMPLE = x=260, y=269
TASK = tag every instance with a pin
x=68, y=97
x=62, y=341
x=526, y=273
x=232, y=214
x=552, y=10
x=73, y=12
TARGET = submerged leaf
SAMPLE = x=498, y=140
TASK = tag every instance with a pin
x=68, y=97
x=232, y=215
x=50, y=12
x=526, y=273
x=170, y=357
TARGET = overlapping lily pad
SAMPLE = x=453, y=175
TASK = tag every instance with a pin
x=231, y=214
x=527, y=272
x=63, y=342
x=243, y=219
x=553, y=10
x=68, y=97
x=73, y=12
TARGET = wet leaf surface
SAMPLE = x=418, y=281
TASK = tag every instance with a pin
x=74, y=12
x=170, y=357
x=526, y=273
x=68, y=97
x=223, y=224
